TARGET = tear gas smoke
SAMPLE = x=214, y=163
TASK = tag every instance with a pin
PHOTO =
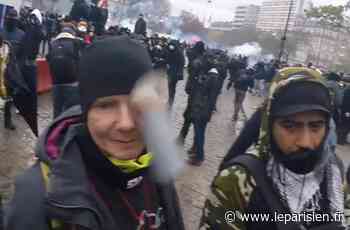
x=253, y=51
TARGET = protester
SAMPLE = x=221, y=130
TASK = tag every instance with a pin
x=293, y=171
x=343, y=128
x=176, y=61
x=15, y=36
x=241, y=85
x=79, y=11
x=202, y=90
x=141, y=26
x=202, y=106
x=94, y=171
x=194, y=54
x=63, y=61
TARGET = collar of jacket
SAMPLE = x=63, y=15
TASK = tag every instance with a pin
x=70, y=190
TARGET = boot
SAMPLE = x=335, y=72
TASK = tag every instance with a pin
x=7, y=116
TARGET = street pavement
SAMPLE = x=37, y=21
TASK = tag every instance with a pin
x=17, y=148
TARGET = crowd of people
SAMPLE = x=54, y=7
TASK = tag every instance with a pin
x=94, y=168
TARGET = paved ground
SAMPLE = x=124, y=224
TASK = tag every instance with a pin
x=16, y=149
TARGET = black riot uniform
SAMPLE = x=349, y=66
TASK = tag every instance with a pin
x=175, y=66
x=202, y=89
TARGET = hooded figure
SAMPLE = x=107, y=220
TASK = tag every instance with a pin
x=176, y=61
x=141, y=26
x=34, y=35
x=300, y=166
x=94, y=171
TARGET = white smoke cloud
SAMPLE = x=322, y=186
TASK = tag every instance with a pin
x=253, y=51
x=128, y=23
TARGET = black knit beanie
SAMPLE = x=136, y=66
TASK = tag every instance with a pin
x=301, y=96
x=111, y=66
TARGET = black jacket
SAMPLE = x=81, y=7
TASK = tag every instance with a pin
x=244, y=81
x=203, y=96
x=16, y=39
x=70, y=197
x=80, y=10
x=32, y=39
x=140, y=27
x=176, y=61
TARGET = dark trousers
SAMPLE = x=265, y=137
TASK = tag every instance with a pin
x=185, y=128
x=64, y=97
x=30, y=76
x=199, y=138
x=172, y=90
x=343, y=130
x=239, y=99
x=187, y=120
x=7, y=112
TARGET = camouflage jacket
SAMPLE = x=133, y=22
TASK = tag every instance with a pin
x=234, y=192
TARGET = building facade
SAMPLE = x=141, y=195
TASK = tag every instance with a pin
x=246, y=16
x=273, y=14
x=325, y=47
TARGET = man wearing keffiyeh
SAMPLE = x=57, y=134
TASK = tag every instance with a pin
x=300, y=165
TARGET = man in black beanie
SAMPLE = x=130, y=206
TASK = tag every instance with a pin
x=94, y=171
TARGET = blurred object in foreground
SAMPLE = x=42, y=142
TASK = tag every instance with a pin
x=150, y=96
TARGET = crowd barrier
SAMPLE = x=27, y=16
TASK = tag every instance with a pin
x=44, y=77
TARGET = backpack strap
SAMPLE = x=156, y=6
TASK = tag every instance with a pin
x=256, y=168
x=45, y=171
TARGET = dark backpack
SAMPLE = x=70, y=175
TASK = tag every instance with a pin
x=64, y=48
x=63, y=60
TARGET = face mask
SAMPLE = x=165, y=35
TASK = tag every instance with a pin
x=11, y=24
x=302, y=161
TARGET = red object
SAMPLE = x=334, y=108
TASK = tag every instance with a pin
x=103, y=4
x=88, y=39
x=44, y=76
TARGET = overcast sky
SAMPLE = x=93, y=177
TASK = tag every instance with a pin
x=224, y=9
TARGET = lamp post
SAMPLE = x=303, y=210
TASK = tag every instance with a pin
x=284, y=37
x=208, y=17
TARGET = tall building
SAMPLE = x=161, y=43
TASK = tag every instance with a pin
x=17, y=4
x=246, y=16
x=274, y=13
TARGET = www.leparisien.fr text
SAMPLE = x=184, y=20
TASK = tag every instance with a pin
x=232, y=216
